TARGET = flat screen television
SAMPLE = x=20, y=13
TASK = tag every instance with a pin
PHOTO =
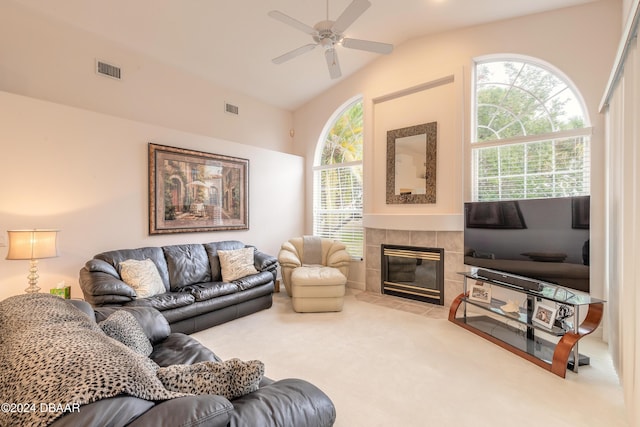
x=533, y=239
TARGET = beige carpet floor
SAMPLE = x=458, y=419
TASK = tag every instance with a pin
x=384, y=363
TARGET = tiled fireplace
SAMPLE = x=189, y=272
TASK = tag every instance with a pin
x=450, y=241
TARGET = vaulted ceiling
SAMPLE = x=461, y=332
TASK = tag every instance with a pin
x=232, y=42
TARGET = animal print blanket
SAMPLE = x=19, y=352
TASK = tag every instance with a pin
x=53, y=359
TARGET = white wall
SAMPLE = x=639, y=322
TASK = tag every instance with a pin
x=434, y=103
x=580, y=41
x=46, y=59
x=85, y=173
x=78, y=162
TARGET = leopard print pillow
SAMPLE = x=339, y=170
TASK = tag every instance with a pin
x=124, y=327
x=231, y=378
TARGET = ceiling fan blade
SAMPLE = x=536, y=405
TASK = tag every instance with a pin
x=370, y=46
x=350, y=14
x=293, y=22
x=332, y=63
x=295, y=52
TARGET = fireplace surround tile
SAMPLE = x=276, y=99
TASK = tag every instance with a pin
x=375, y=236
x=452, y=241
x=373, y=257
x=398, y=237
x=425, y=239
x=453, y=264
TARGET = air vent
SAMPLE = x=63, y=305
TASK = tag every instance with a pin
x=230, y=108
x=108, y=70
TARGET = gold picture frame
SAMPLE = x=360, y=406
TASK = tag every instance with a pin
x=194, y=191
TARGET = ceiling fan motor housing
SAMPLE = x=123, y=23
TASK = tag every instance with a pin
x=326, y=37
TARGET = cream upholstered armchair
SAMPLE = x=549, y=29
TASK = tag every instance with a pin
x=314, y=273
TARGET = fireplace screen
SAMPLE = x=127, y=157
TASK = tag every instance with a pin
x=413, y=272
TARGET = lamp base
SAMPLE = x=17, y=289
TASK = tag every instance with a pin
x=33, y=278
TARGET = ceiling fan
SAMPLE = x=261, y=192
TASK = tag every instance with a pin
x=330, y=34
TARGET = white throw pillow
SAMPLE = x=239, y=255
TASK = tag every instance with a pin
x=236, y=264
x=142, y=276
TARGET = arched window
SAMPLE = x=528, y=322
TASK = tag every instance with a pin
x=531, y=133
x=337, y=179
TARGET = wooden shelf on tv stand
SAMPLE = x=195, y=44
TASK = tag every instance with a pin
x=526, y=341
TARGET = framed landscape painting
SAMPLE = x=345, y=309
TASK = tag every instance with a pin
x=192, y=191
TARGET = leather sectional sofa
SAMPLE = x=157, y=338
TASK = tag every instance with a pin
x=195, y=295
x=287, y=402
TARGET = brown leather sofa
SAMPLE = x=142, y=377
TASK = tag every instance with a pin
x=196, y=297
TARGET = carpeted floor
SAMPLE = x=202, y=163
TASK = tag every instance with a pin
x=386, y=363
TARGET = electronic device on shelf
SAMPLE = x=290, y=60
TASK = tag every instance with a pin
x=521, y=282
x=531, y=241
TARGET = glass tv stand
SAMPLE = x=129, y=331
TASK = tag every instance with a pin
x=543, y=327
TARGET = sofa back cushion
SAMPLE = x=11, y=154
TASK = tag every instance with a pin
x=187, y=264
x=214, y=259
x=154, y=254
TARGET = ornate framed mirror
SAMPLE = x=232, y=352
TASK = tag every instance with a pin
x=411, y=164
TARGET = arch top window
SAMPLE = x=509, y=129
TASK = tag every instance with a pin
x=343, y=142
x=337, y=180
x=518, y=98
x=531, y=133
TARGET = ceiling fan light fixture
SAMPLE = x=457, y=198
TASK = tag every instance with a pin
x=327, y=43
x=329, y=33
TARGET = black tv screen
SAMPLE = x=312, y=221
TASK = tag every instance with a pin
x=540, y=239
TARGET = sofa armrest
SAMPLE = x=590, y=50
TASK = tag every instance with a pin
x=289, y=260
x=113, y=411
x=288, y=402
x=288, y=256
x=181, y=349
x=338, y=256
x=102, y=288
x=264, y=262
x=205, y=410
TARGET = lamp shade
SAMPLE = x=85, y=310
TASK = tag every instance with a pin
x=32, y=244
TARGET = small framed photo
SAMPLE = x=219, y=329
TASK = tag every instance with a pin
x=544, y=315
x=480, y=292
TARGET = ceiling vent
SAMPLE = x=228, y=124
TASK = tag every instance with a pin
x=108, y=70
x=231, y=109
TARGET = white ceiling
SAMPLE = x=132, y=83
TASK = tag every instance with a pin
x=232, y=42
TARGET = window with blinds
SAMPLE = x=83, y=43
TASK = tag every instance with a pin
x=337, y=181
x=531, y=138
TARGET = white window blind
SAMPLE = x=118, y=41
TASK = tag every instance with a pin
x=338, y=205
x=536, y=169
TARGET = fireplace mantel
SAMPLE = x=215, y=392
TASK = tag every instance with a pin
x=415, y=222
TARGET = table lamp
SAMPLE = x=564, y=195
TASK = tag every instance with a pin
x=32, y=245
